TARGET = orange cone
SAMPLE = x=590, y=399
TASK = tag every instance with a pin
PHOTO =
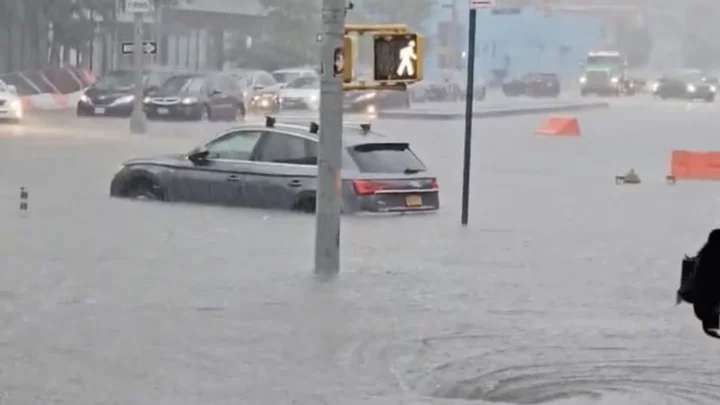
x=560, y=126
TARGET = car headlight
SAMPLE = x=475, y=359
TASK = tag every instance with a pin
x=314, y=97
x=16, y=105
x=713, y=89
x=614, y=80
x=583, y=79
x=256, y=98
x=85, y=99
x=655, y=86
x=691, y=88
x=125, y=100
x=146, y=100
x=189, y=100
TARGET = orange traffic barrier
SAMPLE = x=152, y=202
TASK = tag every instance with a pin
x=560, y=126
x=686, y=165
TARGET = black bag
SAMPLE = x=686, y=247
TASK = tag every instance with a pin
x=687, y=281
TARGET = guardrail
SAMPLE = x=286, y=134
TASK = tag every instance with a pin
x=50, y=88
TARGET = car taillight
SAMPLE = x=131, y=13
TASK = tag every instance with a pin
x=366, y=187
x=434, y=185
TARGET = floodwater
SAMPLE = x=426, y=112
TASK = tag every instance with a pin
x=560, y=291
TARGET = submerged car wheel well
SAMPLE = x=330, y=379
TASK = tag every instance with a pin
x=305, y=202
x=141, y=182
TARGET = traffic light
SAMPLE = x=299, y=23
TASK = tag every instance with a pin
x=398, y=57
x=348, y=53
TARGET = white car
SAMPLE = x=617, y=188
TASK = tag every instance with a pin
x=285, y=76
x=10, y=103
x=302, y=93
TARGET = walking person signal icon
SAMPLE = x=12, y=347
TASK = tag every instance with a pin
x=398, y=57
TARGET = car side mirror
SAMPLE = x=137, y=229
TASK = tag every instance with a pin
x=198, y=155
x=12, y=89
x=150, y=90
x=258, y=87
x=215, y=92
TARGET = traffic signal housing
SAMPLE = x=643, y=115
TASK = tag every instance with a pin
x=348, y=55
x=398, y=57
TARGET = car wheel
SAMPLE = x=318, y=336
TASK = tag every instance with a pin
x=710, y=99
x=143, y=189
x=306, y=205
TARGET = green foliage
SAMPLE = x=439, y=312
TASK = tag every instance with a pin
x=410, y=12
x=289, y=36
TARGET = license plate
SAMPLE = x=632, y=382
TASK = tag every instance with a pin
x=162, y=111
x=413, y=201
x=99, y=111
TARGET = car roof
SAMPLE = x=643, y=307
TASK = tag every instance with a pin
x=353, y=133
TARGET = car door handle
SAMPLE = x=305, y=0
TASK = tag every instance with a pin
x=295, y=183
x=233, y=178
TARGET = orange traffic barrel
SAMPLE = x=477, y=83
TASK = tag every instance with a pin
x=560, y=126
x=688, y=165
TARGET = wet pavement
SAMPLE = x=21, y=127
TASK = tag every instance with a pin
x=560, y=291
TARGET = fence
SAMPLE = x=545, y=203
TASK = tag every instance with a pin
x=50, y=88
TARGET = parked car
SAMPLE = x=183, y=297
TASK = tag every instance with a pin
x=688, y=86
x=113, y=93
x=197, y=96
x=533, y=85
x=275, y=166
x=11, y=108
x=372, y=101
x=302, y=93
x=285, y=76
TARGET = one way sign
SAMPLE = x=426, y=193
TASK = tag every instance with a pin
x=149, y=47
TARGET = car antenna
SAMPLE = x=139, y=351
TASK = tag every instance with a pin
x=314, y=127
x=365, y=128
x=270, y=121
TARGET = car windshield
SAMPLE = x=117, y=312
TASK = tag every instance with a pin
x=156, y=79
x=285, y=77
x=604, y=60
x=120, y=79
x=386, y=158
x=182, y=84
x=304, y=83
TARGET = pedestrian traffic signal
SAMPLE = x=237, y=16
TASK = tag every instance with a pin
x=398, y=57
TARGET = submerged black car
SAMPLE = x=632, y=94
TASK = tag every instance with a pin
x=113, y=93
x=688, y=86
x=197, y=96
x=372, y=101
x=533, y=85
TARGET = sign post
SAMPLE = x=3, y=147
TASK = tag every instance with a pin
x=138, y=122
x=329, y=200
x=469, y=101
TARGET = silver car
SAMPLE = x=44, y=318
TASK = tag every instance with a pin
x=275, y=166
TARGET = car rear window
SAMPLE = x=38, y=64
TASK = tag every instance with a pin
x=386, y=158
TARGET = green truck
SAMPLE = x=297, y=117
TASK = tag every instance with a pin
x=605, y=74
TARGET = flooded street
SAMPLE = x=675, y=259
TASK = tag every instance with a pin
x=560, y=291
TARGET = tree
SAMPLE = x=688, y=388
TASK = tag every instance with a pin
x=414, y=13
x=289, y=37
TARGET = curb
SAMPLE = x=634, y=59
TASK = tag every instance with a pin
x=497, y=113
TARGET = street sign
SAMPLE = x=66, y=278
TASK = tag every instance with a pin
x=480, y=4
x=398, y=57
x=149, y=47
x=137, y=6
